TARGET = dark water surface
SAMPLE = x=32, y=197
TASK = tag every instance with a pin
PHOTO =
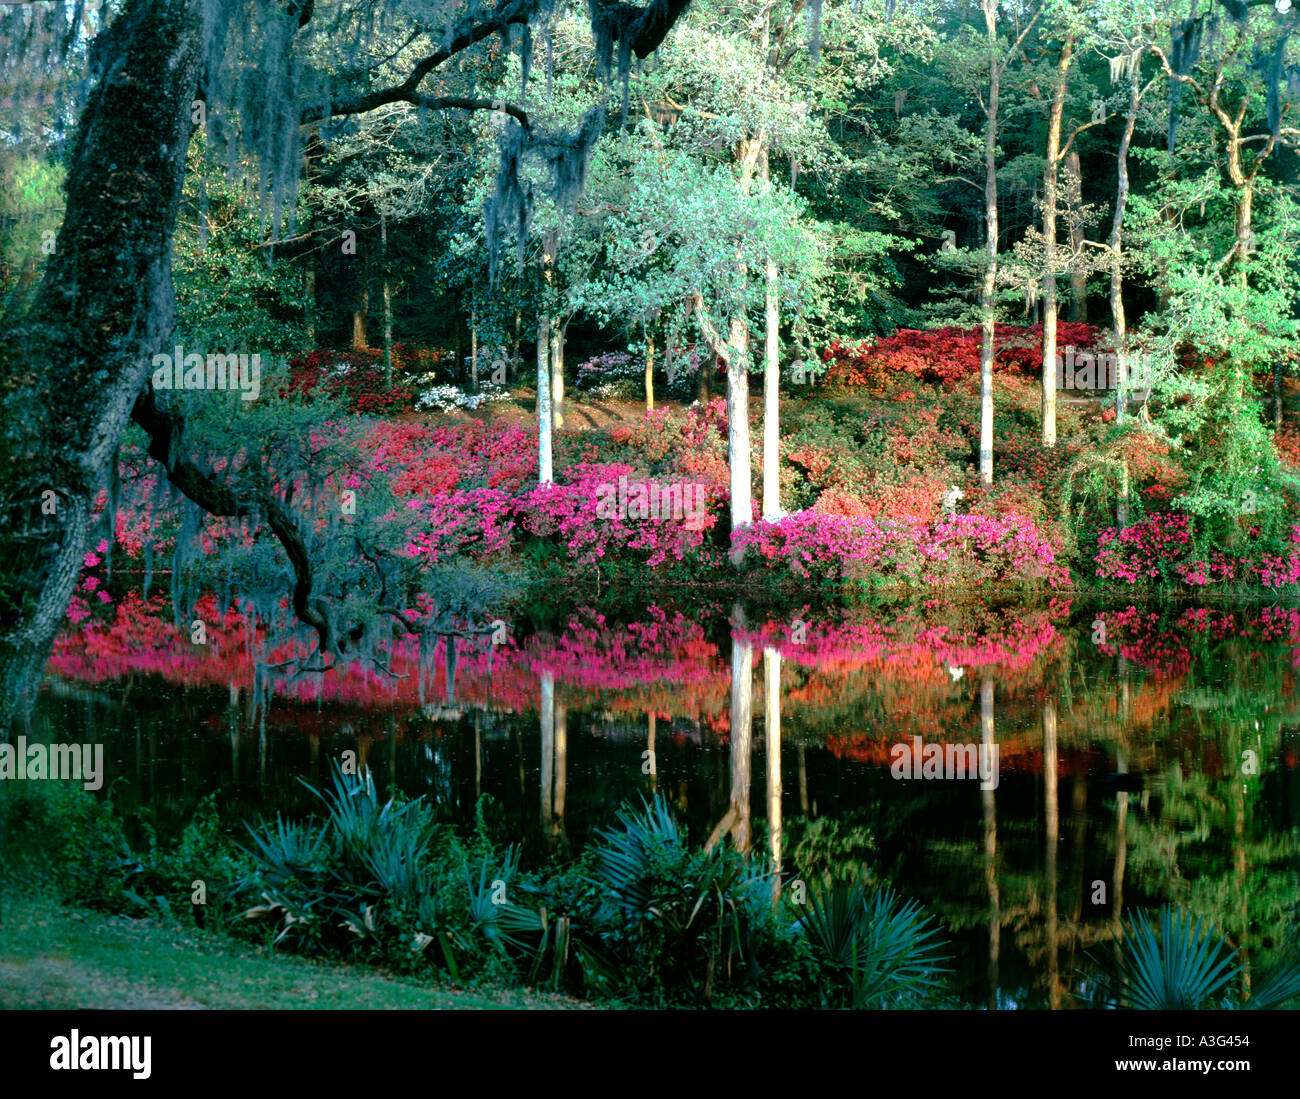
x=1151, y=760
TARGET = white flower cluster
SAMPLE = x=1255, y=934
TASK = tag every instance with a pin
x=449, y=398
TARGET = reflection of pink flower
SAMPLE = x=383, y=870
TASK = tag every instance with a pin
x=104, y=597
x=90, y=583
x=103, y=545
x=91, y=560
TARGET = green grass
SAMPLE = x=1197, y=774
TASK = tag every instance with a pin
x=56, y=957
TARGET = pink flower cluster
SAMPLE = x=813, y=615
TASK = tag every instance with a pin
x=954, y=549
x=1137, y=552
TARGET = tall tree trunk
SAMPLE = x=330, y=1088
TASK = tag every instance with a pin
x=361, y=299
x=458, y=359
x=1052, y=809
x=988, y=284
x=1114, y=249
x=738, y=445
x=105, y=306
x=771, y=402
x=1050, y=177
x=1074, y=201
x=557, y=375
x=388, y=300
x=649, y=373
x=473, y=344
x=545, y=412
x=544, y=474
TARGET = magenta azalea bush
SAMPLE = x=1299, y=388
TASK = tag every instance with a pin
x=953, y=550
x=1159, y=548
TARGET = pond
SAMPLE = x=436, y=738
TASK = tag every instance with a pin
x=1130, y=757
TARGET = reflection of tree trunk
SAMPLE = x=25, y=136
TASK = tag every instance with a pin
x=772, y=731
x=736, y=821
x=547, y=711
x=1080, y=811
x=1239, y=865
x=1121, y=856
x=1053, y=838
x=478, y=756
x=651, y=719
x=990, y=845
x=803, y=782
x=392, y=751
x=561, y=769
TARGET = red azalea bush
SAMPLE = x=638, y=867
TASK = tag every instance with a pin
x=356, y=374
x=943, y=355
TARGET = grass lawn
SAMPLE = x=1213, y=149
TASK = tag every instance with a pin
x=57, y=957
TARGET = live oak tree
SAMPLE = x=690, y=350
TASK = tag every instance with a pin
x=76, y=367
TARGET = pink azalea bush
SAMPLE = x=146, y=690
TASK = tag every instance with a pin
x=1158, y=548
x=952, y=550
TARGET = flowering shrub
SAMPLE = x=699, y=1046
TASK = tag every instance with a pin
x=609, y=366
x=1145, y=550
x=956, y=549
x=1157, y=548
x=944, y=355
x=449, y=398
x=356, y=374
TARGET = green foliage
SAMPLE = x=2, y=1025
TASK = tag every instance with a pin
x=878, y=950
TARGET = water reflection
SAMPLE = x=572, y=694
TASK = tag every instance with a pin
x=1160, y=766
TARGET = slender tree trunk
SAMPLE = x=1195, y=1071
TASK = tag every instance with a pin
x=1078, y=273
x=104, y=307
x=557, y=375
x=649, y=373
x=738, y=445
x=988, y=285
x=1050, y=178
x=1115, y=253
x=388, y=300
x=473, y=344
x=544, y=473
x=771, y=402
x=309, y=318
x=458, y=356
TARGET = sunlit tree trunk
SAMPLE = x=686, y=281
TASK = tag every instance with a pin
x=1078, y=272
x=988, y=285
x=1115, y=253
x=557, y=375
x=1051, y=175
x=649, y=373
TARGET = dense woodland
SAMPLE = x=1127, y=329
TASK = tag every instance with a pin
x=337, y=336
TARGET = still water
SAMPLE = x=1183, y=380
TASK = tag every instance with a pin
x=1138, y=756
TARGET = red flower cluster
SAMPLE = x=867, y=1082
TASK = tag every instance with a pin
x=943, y=355
x=357, y=375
